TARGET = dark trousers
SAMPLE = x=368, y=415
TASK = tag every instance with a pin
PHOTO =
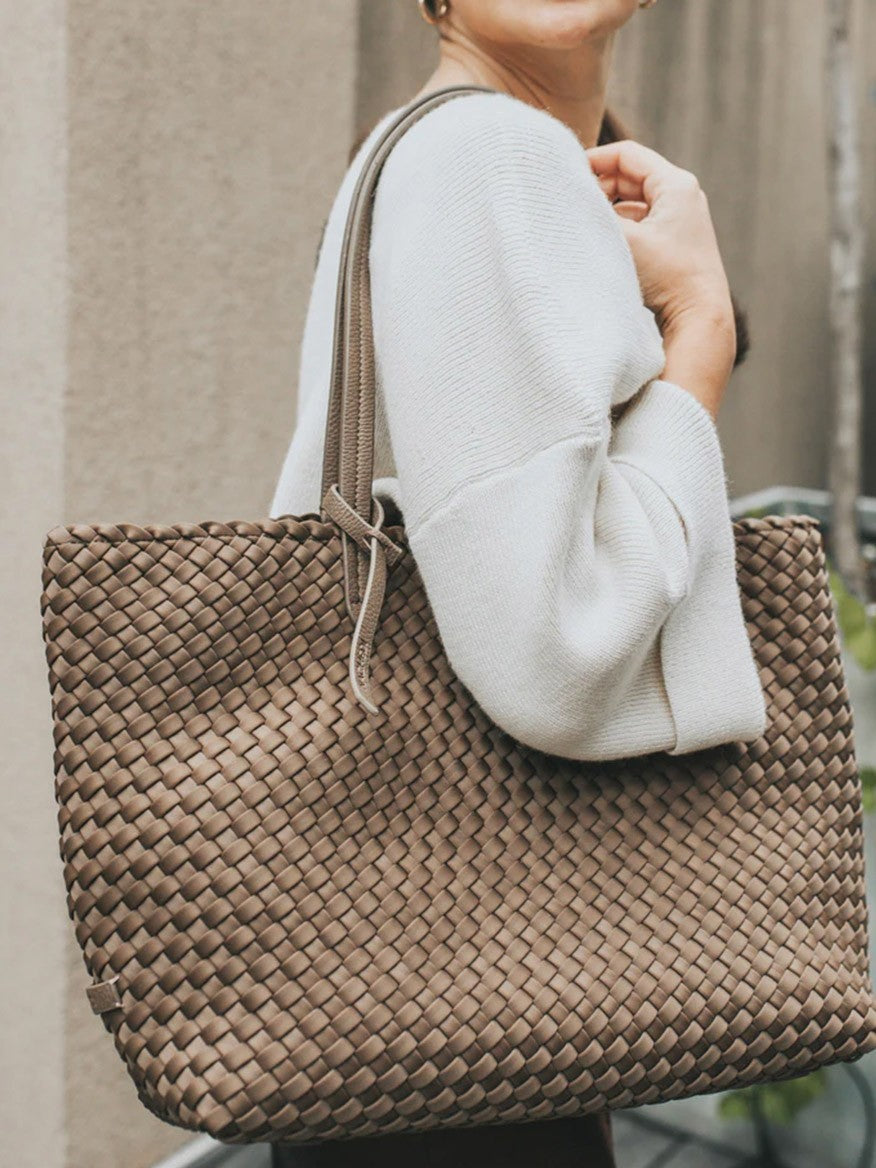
x=582, y=1142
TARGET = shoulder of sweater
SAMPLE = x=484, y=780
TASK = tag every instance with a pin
x=490, y=139
x=486, y=183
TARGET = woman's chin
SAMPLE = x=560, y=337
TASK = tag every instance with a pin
x=550, y=24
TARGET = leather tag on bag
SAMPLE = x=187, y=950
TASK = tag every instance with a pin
x=104, y=996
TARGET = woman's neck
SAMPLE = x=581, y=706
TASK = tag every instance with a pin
x=570, y=85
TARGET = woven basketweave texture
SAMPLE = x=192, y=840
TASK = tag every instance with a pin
x=328, y=923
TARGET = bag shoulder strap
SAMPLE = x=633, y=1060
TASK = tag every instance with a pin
x=348, y=459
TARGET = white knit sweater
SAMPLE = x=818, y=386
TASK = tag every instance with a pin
x=581, y=573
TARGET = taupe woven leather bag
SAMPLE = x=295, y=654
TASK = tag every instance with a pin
x=319, y=904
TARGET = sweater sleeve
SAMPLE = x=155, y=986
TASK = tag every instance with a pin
x=581, y=574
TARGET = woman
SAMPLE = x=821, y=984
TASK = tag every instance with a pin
x=554, y=334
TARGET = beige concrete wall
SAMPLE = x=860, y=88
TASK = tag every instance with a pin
x=32, y=359
x=734, y=91
x=205, y=141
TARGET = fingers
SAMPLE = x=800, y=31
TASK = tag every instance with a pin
x=617, y=186
x=631, y=210
x=632, y=170
x=621, y=186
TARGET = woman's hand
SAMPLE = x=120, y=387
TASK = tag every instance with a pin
x=666, y=220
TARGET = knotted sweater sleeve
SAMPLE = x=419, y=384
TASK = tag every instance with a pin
x=581, y=572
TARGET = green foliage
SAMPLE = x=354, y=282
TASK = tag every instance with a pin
x=777, y=1102
x=868, y=788
x=857, y=626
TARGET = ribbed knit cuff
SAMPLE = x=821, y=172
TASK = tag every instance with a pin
x=670, y=436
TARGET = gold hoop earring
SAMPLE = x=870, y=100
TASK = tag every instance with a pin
x=647, y=3
x=433, y=16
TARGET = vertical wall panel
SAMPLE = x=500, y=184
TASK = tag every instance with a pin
x=32, y=376
x=205, y=140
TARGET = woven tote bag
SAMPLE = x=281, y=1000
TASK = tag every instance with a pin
x=321, y=895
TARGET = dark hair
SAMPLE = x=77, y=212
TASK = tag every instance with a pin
x=614, y=130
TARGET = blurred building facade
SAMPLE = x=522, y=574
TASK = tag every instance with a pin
x=165, y=172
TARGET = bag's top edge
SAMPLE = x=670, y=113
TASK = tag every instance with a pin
x=85, y=533
x=302, y=526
